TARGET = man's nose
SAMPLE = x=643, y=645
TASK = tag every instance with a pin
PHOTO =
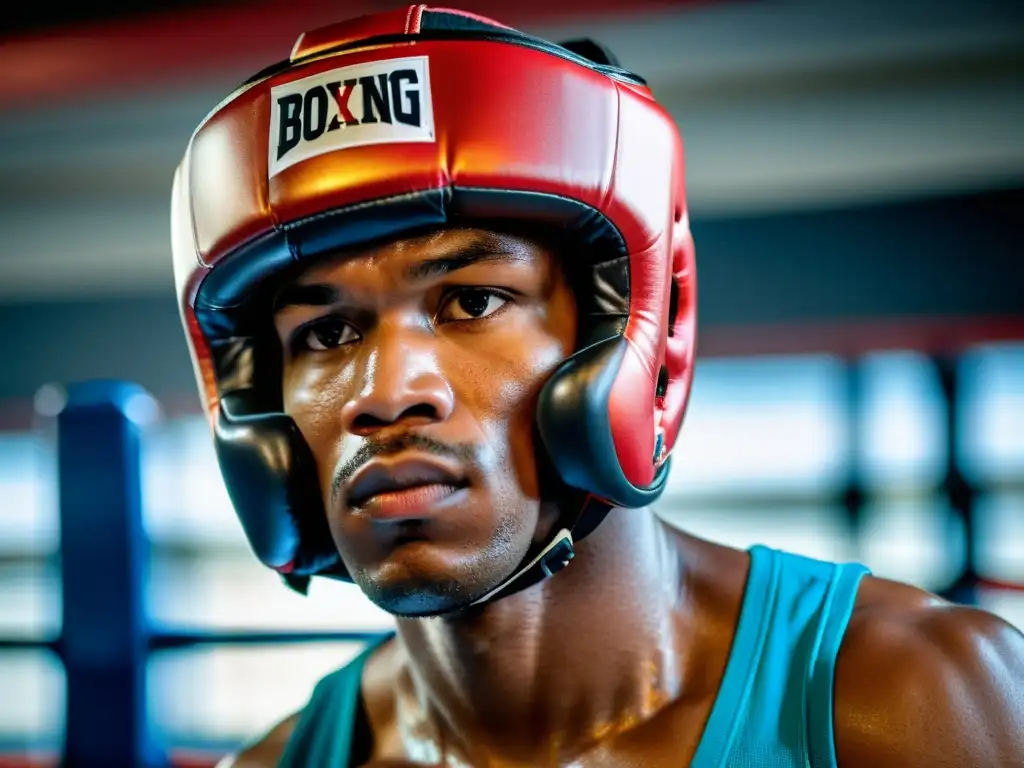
x=401, y=381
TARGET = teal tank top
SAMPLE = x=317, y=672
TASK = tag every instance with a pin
x=774, y=707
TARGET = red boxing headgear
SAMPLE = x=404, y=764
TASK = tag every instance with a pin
x=429, y=117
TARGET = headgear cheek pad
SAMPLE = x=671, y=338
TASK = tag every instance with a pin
x=425, y=118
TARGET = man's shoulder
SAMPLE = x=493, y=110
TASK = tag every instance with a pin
x=920, y=681
x=266, y=751
x=376, y=673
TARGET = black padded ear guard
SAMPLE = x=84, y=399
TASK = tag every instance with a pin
x=274, y=488
x=272, y=478
x=573, y=422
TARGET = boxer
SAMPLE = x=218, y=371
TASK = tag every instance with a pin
x=439, y=286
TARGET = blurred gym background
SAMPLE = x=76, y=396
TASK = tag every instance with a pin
x=856, y=178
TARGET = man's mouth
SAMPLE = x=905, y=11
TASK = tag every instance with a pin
x=405, y=488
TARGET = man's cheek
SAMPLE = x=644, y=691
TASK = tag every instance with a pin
x=513, y=417
x=314, y=404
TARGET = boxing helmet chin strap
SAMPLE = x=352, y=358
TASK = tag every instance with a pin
x=554, y=556
x=552, y=559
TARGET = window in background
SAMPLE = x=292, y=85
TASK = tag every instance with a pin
x=992, y=418
x=227, y=695
x=902, y=430
x=762, y=451
x=909, y=531
x=30, y=592
x=774, y=437
x=31, y=681
x=184, y=498
x=232, y=590
x=918, y=541
x=30, y=598
x=991, y=452
x=1001, y=536
x=818, y=531
x=28, y=495
x=763, y=425
x=32, y=704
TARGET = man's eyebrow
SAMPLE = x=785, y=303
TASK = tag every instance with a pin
x=464, y=256
x=323, y=295
x=299, y=295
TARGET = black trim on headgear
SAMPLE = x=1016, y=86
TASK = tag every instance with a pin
x=592, y=50
x=240, y=281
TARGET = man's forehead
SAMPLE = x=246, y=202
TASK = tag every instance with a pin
x=471, y=244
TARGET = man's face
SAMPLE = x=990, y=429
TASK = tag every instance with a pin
x=412, y=370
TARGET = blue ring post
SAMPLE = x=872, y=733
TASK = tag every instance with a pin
x=103, y=560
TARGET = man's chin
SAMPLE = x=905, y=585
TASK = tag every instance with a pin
x=431, y=578
x=420, y=598
x=425, y=592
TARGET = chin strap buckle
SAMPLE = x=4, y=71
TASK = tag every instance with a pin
x=557, y=554
x=553, y=558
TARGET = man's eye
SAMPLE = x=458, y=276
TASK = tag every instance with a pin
x=472, y=304
x=324, y=335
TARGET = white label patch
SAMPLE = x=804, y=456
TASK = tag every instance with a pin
x=380, y=102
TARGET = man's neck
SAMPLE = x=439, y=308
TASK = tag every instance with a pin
x=566, y=662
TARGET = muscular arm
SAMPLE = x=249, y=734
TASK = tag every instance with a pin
x=929, y=685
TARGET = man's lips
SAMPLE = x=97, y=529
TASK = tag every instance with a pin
x=402, y=486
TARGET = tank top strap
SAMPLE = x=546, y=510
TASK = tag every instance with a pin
x=774, y=707
x=820, y=688
x=323, y=736
x=725, y=722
